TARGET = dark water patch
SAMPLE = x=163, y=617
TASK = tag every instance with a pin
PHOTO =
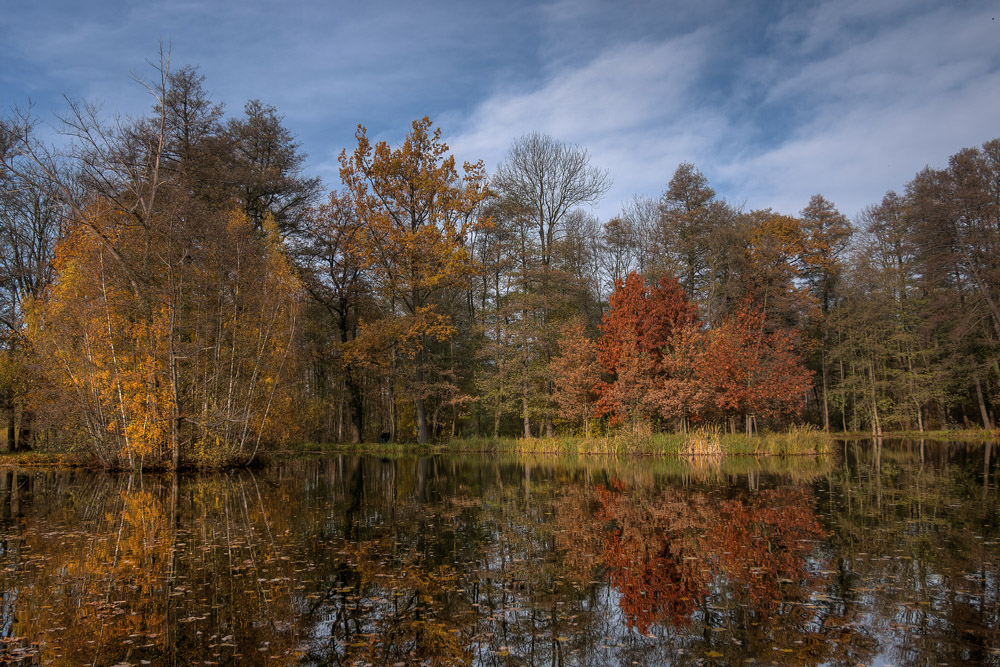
x=878, y=555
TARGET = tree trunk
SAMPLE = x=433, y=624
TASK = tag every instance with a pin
x=876, y=425
x=826, y=387
x=25, y=434
x=11, y=439
x=496, y=419
x=355, y=409
x=340, y=416
x=982, y=406
x=524, y=403
x=393, y=417
x=418, y=401
x=418, y=406
x=435, y=429
x=843, y=403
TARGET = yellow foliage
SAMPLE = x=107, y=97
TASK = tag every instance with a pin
x=153, y=345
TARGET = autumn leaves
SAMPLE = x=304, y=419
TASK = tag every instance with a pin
x=203, y=304
x=416, y=212
x=181, y=335
x=655, y=364
x=198, y=356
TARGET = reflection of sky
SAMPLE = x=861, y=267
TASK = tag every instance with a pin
x=490, y=562
x=774, y=103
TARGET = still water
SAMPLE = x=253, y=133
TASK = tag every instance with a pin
x=875, y=555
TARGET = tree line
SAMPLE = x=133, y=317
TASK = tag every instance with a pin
x=173, y=288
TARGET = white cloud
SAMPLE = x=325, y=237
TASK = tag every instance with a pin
x=874, y=111
x=627, y=106
x=843, y=97
x=846, y=99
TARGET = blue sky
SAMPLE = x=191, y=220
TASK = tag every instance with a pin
x=773, y=101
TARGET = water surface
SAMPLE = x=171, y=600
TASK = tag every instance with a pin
x=874, y=555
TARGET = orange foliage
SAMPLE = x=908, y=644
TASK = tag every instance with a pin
x=649, y=335
x=104, y=356
x=751, y=371
x=417, y=211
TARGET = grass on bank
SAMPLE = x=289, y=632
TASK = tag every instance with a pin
x=33, y=458
x=942, y=435
x=699, y=442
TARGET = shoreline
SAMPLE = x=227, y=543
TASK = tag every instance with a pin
x=703, y=444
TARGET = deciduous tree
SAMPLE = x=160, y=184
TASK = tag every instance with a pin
x=576, y=373
x=636, y=335
x=751, y=371
x=417, y=210
x=543, y=180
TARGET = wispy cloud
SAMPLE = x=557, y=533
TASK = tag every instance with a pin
x=774, y=102
x=840, y=98
x=875, y=107
x=627, y=105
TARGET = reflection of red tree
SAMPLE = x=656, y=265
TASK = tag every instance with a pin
x=654, y=555
x=768, y=538
x=663, y=553
x=657, y=587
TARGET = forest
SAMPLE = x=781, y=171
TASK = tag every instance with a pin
x=175, y=289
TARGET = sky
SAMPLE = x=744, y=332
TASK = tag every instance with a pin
x=773, y=101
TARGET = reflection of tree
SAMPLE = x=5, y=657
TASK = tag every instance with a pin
x=655, y=555
x=916, y=525
x=115, y=574
x=95, y=598
x=665, y=552
x=392, y=608
x=351, y=560
x=764, y=540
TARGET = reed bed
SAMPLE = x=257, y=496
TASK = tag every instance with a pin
x=705, y=441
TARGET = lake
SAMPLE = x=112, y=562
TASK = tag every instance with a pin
x=883, y=555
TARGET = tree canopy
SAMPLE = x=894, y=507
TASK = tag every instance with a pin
x=175, y=289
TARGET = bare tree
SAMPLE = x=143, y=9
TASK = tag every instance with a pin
x=642, y=215
x=549, y=179
x=545, y=180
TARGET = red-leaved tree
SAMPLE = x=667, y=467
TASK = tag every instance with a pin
x=642, y=333
x=576, y=373
x=752, y=372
